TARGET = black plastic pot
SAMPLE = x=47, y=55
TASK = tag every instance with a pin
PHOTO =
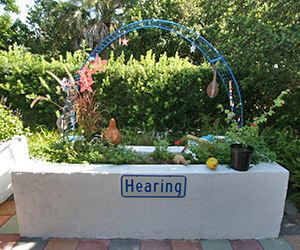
x=240, y=157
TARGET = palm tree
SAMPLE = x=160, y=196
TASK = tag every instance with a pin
x=102, y=18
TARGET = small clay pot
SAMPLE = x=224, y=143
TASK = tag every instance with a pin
x=112, y=134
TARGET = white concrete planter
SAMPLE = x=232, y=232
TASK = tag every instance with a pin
x=149, y=201
x=12, y=153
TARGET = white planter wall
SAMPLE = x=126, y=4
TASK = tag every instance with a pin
x=93, y=201
x=12, y=153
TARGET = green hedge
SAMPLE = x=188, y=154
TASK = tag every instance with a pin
x=10, y=122
x=162, y=94
x=23, y=77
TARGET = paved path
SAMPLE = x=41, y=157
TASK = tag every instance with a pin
x=11, y=240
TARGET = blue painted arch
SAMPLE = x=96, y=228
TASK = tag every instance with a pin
x=212, y=55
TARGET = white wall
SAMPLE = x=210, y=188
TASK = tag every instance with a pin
x=12, y=152
x=85, y=201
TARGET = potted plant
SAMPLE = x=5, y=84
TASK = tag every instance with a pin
x=246, y=140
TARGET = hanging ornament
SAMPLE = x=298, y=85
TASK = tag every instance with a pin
x=230, y=96
x=86, y=79
x=193, y=48
x=212, y=89
x=98, y=64
x=125, y=41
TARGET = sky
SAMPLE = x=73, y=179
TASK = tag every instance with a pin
x=22, y=7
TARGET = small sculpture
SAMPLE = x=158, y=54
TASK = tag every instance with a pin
x=112, y=134
x=212, y=163
x=197, y=139
x=61, y=123
x=180, y=159
x=231, y=115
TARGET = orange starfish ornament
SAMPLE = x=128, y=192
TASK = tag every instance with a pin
x=86, y=79
x=98, y=64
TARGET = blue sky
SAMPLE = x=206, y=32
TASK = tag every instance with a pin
x=22, y=7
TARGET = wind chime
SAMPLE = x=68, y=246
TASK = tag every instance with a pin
x=232, y=115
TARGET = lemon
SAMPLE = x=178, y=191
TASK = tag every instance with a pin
x=212, y=163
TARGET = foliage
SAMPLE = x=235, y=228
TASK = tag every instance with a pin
x=168, y=94
x=286, y=144
x=248, y=135
x=161, y=150
x=51, y=28
x=39, y=141
x=43, y=145
x=219, y=149
x=86, y=108
x=137, y=137
x=8, y=28
x=55, y=27
x=104, y=10
x=23, y=77
x=10, y=122
x=5, y=23
x=165, y=95
x=10, y=5
x=208, y=124
x=159, y=40
x=259, y=40
x=265, y=50
x=88, y=114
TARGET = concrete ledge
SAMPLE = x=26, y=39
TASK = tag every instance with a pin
x=12, y=152
x=86, y=201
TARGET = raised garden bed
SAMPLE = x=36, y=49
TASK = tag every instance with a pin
x=149, y=201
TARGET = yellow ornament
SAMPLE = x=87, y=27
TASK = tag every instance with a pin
x=212, y=163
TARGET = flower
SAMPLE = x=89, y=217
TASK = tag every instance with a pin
x=178, y=142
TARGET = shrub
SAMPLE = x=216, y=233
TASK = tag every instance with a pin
x=286, y=144
x=23, y=77
x=10, y=122
x=163, y=94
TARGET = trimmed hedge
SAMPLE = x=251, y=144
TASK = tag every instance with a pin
x=163, y=94
x=23, y=77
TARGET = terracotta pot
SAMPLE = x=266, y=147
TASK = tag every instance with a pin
x=112, y=134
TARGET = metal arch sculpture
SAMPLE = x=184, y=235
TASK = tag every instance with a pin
x=213, y=56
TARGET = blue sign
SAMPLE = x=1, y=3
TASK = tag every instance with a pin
x=153, y=186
